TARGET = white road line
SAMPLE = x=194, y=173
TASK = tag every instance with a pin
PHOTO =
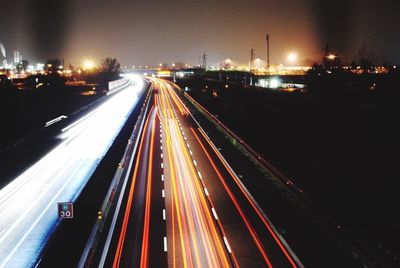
x=190, y=152
x=162, y=165
x=161, y=155
x=198, y=172
x=206, y=191
x=194, y=162
x=214, y=213
x=227, y=245
x=187, y=145
x=55, y=120
x=165, y=244
x=161, y=147
x=162, y=177
x=163, y=193
x=164, y=216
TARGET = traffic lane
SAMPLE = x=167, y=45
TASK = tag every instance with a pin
x=157, y=225
x=189, y=218
x=173, y=248
x=195, y=240
x=145, y=228
x=128, y=236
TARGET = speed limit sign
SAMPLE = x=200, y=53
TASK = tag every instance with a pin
x=65, y=210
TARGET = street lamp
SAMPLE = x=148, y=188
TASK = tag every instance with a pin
x=292, y=57
x=331, y=56
x=88, y=64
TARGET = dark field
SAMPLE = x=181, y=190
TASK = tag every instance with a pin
x=342, y=151
x=23, y=111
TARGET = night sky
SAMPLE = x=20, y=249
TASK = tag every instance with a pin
x=140, y=32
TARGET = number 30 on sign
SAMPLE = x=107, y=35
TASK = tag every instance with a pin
x=65, y=210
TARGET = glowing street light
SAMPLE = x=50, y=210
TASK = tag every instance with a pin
x=331, y=56
x=292, y=57
x=88, y=64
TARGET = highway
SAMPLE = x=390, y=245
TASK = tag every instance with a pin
x=28, y=204
x=232, y=225
x=185, y=204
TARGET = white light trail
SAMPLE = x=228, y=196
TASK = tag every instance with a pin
x=28, y=204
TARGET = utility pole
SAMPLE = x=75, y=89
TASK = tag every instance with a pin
x=268, y=63
x=205, y=61
x=252, y=54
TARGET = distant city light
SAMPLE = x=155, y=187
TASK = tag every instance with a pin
x=274, y=83
x=39, y=66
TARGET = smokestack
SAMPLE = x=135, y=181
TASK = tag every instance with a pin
x=268, y=51
x=3, y=50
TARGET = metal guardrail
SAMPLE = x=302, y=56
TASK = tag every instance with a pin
x=117, y=85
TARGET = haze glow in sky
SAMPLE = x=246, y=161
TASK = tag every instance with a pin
x=139, y=32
